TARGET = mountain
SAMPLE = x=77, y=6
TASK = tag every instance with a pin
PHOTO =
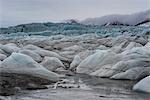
x=70, y=21
x=87, y=26
x=116, y=19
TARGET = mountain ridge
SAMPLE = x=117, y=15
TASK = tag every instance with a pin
x=130, y=19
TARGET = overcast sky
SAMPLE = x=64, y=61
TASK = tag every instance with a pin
x=13, y=12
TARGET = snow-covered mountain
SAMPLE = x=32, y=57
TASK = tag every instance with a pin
x=116, y=19
x=70, y=21
x=145, y=24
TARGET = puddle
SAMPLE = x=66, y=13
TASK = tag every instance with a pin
x=72, y=83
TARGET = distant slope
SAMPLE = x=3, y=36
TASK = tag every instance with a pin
x=132, y=19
